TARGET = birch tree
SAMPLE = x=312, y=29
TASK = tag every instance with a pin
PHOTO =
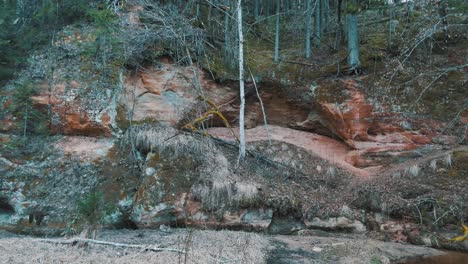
x=241, y=82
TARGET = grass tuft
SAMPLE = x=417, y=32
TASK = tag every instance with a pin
x=433, y=164
x=448, y=160
x=413, y=170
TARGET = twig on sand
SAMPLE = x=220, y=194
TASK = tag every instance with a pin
x=107, y=243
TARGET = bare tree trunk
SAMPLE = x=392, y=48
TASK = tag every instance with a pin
x=442, y=10
x=241, y=82
x=353, y=41
x=267, y=9
x=410, y=7
x=26, y=115
x=318, y=24
x=308, y=27
x=390, y=28
x=278, y=7
x=339, y=26
x=338, y=10
x=227, y=37
x=256, y=9
x=198, y=9
x=210, y=13
x=326, y=15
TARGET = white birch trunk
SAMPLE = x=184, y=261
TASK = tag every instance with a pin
x=241, y=82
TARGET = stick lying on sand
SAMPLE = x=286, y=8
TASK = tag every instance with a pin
x=106, y=243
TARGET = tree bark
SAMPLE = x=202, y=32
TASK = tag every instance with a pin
x=390, y=28
x=442, y=10
x=308, y=27
x=267, y=7
x=278, y=8
x=241, y=82
x=410, y=6
x=318, y=24
x=256, y=9
x=353, y=41
x=326, y=16
x=227, y=37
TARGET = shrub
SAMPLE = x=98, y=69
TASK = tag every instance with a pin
x=93, y=209
x=102, y=18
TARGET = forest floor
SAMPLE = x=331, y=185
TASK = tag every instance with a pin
x=203, y=246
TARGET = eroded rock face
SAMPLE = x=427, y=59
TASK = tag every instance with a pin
x=70, y=115
x=166, y=93
x=377, y=135
x=358, y=123
x=85, y=148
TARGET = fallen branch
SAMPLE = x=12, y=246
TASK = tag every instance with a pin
x=215, y=111
x=297, y=62
x=261, y=105
x=107, y=243
x=223, y=261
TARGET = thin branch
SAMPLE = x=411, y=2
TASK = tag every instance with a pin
x=106, y=243
x=297, y=62
x=261, y=105
x=419, y=212
x=434, y=80
x=427, y=34
x=445, y=213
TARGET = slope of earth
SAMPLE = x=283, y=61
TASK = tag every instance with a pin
x=150, y=146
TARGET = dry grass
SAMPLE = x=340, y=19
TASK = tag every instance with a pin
x=161, y=139
x=433, y=164
x=226, y=194
x=448, y=160
x=331, y=171
x=413, y=170
x=246, y=194
x=203, y=247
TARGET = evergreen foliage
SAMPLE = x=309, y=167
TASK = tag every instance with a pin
x=93, y=208
x=27, y=25
x=29, y=119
